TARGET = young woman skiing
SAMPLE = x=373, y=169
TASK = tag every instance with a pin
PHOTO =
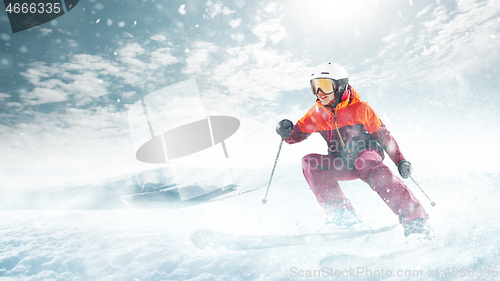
x=356, y=140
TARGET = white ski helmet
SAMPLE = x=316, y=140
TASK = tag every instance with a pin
x=332, y=71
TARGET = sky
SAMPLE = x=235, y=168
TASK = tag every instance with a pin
x=430, y=69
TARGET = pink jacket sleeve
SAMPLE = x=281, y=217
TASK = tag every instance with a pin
x=389, y=144
x=297, y=135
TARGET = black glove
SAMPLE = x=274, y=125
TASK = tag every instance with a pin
x=284, y=128
x=404, y=168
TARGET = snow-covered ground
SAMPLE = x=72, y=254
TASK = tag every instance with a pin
x=154, y=244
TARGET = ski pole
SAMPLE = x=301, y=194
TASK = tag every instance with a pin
x=432, y=202
x=264, y=201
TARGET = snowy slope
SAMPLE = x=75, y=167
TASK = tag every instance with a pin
x=134, y=190
x=154, y=244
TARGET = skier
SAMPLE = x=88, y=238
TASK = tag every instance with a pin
x=356, y=140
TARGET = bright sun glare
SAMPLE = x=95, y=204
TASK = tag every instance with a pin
x=329, y=15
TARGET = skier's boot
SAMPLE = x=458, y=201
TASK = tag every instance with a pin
x=418, y=228
x=342, y=218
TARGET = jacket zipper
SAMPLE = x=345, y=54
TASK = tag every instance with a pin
x=338, y=132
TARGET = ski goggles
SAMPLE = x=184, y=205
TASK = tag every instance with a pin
x=326, y=85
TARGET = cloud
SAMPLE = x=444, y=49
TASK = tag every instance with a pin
x=128, y=55
x=409, y=28
x=226, y=11
x=424, y=11
x=235, y=23
x=271, y=29
x=199, y=57
x=158, y=37
x=83, y=62
x=86, y=87
x=163, y=57
x=389, y=38
x=465, y=6
x=271, y=7
x=4, y=96
x=462, y=43
x=260, y=74
x=212, y=10
x=79, y=77
x=182, y=9
x=13, y=104
x=43, y=95
x=45, y=31
x=239, y=37
x=385, y=50
x=37, y=71
x=442, y=47
x=86, y=78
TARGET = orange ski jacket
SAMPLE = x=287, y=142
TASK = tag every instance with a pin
x=348, y=128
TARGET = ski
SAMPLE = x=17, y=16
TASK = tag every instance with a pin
x=203, y=238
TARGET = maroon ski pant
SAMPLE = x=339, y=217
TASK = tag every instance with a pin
x=323, y=172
